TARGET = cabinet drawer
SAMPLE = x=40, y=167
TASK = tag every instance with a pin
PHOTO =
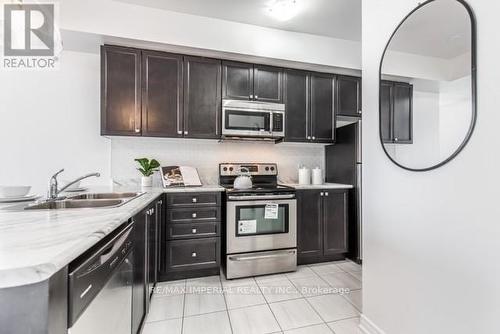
x=193, y=230
x=193, y=199
x=193, y=254
x=196, y=214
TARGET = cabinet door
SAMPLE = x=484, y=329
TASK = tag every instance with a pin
x=139, y=291
x=192, y=255
x=120, y=91
x=348, y=95
x=237, y=81
x=268, y=84
x=297, y=106
x=162, y=94
x=202, y=98
x=334, y=222
x=402, y=113
x=322, y=115
x=386, y=111
x=309, y=230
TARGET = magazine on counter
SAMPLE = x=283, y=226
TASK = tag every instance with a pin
x=180, y=176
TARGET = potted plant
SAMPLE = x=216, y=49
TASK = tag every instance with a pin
x=147, y=169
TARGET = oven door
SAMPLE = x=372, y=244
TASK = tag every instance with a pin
x=261, y=225
x=246, y=122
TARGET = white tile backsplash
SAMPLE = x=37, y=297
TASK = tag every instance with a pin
x=206, y=155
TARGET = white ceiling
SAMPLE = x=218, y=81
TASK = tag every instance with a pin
x=333, y=18
x=440, y=29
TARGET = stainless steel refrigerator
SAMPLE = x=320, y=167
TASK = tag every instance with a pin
x=344, y=165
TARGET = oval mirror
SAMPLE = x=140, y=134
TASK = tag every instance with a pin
x=427, y=86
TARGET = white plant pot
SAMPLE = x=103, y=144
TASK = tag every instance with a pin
x=147, y=181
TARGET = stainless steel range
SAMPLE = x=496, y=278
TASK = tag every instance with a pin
x=261, y=230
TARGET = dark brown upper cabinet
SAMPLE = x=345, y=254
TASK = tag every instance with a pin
x=162, y=94
x=268, y=84
x=322, y=225
x=348, y=95
x=120, y=91
x=202, y=98
x=396, y=103
x=237, y=80
x=242, y=81
x=297, y=106
x=309, y=107
x=322, y=109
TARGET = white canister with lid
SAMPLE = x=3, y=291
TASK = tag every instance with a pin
x=304, y=175
x=317, y=176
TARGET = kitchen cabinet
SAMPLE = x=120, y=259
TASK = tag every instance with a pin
x=297, y=106
x=202, y=98
x=322, y=225
x=120, y=91
x=145, y=260
x=322, y=111
x=192, y=242
x=348, y=95
x=309, y=107
x=242, y=81
x=139, y=281
x=396, y=106
x=162, y=94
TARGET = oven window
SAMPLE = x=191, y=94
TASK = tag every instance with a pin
x=247, y=120
x=251, y=220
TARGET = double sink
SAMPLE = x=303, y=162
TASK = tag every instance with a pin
x=91, y=200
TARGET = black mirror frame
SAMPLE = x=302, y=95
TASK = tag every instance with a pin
x=473, y=80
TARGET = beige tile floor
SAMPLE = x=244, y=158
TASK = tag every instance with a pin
x=316, y=299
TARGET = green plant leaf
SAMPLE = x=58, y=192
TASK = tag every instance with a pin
x=144, y=162
x=143, y=171
x=154, y=164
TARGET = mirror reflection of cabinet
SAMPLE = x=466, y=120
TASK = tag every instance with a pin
x=428, y=85
x=396, y=112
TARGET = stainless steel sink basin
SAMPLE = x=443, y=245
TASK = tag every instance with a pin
x=75, y=204
x=104, y=196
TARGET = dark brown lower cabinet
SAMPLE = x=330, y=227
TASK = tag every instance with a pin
x=191, y=244
x=321, y=225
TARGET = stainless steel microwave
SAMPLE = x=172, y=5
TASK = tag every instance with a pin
x=249, y=119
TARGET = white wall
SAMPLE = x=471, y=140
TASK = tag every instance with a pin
x=431, y=240
x=118, y=19
x=206, y=155
x=50, y=120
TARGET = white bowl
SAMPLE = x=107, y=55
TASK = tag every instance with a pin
x=14, y=191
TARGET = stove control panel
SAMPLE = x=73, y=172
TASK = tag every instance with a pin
x=234, y=169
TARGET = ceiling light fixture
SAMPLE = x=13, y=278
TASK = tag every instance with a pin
x=283, y=10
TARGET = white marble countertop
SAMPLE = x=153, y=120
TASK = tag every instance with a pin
x=319, y=186
x=36, y=244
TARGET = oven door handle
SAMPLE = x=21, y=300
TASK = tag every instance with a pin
x=271, y=197
x=259, y=257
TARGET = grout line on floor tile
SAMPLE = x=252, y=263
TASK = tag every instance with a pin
x=183, y=306
x=227, y=308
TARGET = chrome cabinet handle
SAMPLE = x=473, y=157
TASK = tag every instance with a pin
x=193, y=231
x=251, y=96
x=396, y=139
x=326, y=194
x=313, y=138
x=195, y=200
x=194, y=215
x=186, y=133
x=137, y=130
x=321, y=193
x=309, y=137
x=193, y=254
x=179, y=132
x=256, y=97
x=152, y=211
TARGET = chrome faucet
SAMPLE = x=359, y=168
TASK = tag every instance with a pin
x=54, y=191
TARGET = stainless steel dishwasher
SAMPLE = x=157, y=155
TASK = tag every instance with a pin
x=100, y=288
